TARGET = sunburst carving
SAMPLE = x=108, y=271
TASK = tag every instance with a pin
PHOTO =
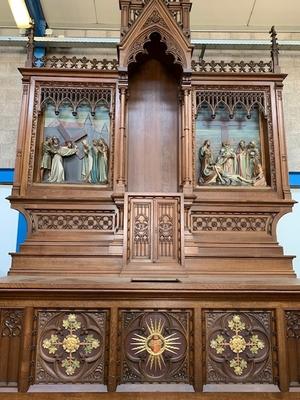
x=155, y=344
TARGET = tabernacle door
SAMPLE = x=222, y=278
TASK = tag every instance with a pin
x=153, y=230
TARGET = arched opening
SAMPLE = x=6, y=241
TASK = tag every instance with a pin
x=153, y=120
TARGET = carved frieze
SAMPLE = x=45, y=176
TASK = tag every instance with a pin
x=293, y=324
x=239, y=347
x=74, y=220
x=155, y=346
x=231, y=222
x=70, y=347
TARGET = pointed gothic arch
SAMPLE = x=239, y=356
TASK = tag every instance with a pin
x=155, y=18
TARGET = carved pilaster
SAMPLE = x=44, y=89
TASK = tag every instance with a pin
x=122, y=139
x=187, y=140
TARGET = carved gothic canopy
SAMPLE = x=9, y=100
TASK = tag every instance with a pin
x=155, y=18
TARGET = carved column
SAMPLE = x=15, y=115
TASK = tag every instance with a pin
x=186, y=9
x=124, y=7
x=187, y=138
x=121, y=170
x=282, y=143
x=21, y=140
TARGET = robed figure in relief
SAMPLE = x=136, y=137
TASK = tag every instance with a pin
x=57, y=173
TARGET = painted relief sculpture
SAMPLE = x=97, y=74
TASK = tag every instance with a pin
x=57, y=173
x=95, y=161
x=240, y=167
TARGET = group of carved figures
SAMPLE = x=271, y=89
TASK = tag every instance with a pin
x=94, y=163
x=240, y=167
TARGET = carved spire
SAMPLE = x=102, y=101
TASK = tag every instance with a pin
x=274, y=50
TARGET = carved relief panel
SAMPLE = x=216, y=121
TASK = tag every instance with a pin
x=71, y=347
x=155, y=346
x=233, y=142
x=11, y=327
x=72, y=134
x=154, y=229
x=239, y=347
x=293, y=345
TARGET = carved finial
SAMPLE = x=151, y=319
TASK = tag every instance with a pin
x=274, y=50
x=30, y=46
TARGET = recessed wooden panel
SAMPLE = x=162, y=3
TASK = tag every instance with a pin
x=71, y=347
x=155, y=346
x=153, y=129
x=293, y=346
x=240, y=347
x=11, y=325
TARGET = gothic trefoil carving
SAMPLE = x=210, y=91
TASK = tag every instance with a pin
x=156, y=347
x=71, y=347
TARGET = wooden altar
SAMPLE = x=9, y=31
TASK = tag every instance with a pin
x=152, y=186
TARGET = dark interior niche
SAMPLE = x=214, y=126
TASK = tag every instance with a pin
x=153, y=120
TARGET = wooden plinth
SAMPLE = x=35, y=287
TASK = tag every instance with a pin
x=198, y=302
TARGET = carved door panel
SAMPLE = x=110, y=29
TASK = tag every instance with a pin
x=153, y=229
x=166, y=230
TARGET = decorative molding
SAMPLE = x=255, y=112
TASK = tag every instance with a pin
x=231, y=222
x=70, y=347
x=293, y=324
x=232, y=66
x=155, y=346
x=11, y=322
x=43, y=220
x=239, y=347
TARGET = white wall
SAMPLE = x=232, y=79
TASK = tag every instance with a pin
x=288, y=232
x=8, y=229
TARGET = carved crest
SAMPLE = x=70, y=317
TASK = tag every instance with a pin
x=155, y=18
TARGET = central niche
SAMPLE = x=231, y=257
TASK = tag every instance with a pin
x=153, y=111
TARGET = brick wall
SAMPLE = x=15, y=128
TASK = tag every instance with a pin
x=10, y=83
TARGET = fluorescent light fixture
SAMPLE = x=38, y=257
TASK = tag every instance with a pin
x=20, y=13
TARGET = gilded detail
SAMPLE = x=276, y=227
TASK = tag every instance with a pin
x=237, y=344
x=155, y=344
x=70, y=344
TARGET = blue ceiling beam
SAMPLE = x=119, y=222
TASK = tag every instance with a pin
x=36, y=12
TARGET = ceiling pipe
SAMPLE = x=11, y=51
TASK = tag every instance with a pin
x=69, y=42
